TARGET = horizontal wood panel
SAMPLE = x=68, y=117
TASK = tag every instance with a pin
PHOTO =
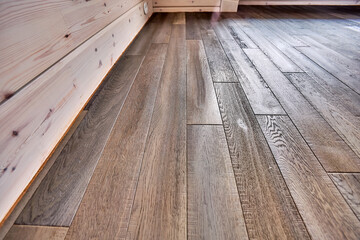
x=186, y=9
x=32, y=126
x=186, y=3
x=36, y=34
x=299, y=2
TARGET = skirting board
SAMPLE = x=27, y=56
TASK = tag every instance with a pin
x=34, y=120
x=187, y=9
x=309, y=2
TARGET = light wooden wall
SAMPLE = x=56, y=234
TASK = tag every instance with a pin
x=53, y=56
x=195, y=5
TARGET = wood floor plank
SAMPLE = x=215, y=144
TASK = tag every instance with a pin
x=57, y=198
x=201, y=103
x=141, y=44
x=257, y=91
x=221, y=30
x=159, y=209
x=179, y=18
x=349, y=99
x=349, y=186
x=343, y=121
x=105, y=209
x=24, y=232
x=325, y=213
x=238, y=34
x=163, y=30
x=192, y=27
x=345, y=69
x=214, y=210
x=276, y=56
x=220, y=67
x=333, y=153
x=269, y=210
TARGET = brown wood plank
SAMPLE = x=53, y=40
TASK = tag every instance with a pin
x=192, y=27
x=342, y=120
x=159, y=209
x=142, y=42
x=201, y=103
x=261, y=99
x=220, y=67
x=269, y=210
x=105, y=209
x=349, y=186
x=56, y=200
x=179, y=18
x=24, y=232
x=163, y=31
x=333, y=153
x=214, y=210
x=324, y=211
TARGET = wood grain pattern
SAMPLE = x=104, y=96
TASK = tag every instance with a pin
x=349, y=186
x=32, y=126
x=162, y=179
x=186, y=3
x=268, y=208
x=325, y=213
x=105, y=209
x=186, y=9
x=39, y=178
x=36, y=232
x=163, y=31
x=201, y=103
x=49, y=31
x=345, y=69
x=192, y=27
x=333, y=153
x=142, y=43
x=342, y=120
x=214, y=210
x=220, y=67
x=179, y=18
x=238, y=34
x=54, y=205
x=257, y=91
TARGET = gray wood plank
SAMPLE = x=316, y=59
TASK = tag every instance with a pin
x=257, y=91
x=333, y=153
x=201, y=103
x=343, y=121
x=269, y=210
x=214, y=210
x=324, y=211
x=159, y=208
x=105, y=209
x=192, y=27
x=24, y=232
x=220, y=67
x=142, y=42
x=238, y=34
x=349, y=186
x=56, y=200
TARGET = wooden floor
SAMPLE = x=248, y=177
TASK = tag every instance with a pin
x=235, y=126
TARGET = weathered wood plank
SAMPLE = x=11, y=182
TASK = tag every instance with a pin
x=343, y=121
x=141, y=44
x=162, y=180
x=345, y=69
x=325, y=213
x=179, y=18
x=36, y=232
x=186, y=3
x=349, y=186
x=257, y=91
x=192, y=27
x=163, y=31
x=214, y=210
x=54, y=205
x=201, y=103
x=333, y=153
x=268, y=208
x=105, y=209
x=238, y=34
x=220, y=67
